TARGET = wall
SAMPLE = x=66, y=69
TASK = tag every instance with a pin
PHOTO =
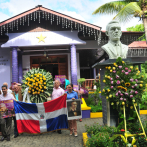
x=5, y=66
x=26, y=63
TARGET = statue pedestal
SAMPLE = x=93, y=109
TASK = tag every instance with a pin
x=110, y=115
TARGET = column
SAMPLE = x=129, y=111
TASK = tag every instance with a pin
x=14, y=65
x=73, y=65
x=94, y=73
x=20, y=74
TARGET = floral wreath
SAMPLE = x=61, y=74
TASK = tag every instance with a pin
x=40, y=84
x=124, y=84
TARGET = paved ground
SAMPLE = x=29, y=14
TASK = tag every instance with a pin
x=51, y=139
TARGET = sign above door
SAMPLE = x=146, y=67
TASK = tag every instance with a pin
x=48, y=38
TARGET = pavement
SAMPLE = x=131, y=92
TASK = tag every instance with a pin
x=51, y=139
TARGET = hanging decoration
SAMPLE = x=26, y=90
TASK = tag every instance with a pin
x=40, y=85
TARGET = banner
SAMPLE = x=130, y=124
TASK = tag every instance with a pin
x=41, y=117
x=7, y=108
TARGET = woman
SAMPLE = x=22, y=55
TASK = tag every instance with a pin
x=72, y=95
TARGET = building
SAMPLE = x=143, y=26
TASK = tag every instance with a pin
x=44, y=38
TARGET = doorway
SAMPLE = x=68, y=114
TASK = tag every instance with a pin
x=56, y=65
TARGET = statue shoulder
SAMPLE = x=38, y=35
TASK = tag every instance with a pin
x=124, y=46
x=105, y=47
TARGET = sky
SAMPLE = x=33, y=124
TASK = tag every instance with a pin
x=80, y=9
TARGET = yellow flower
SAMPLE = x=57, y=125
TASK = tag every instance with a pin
x=104, y=81
x=31, y=75
x=113, y=68
x=40, y=78
x=34, y=84
x=114, y=64
x=42, y=90
x=109, y=67
x=108, y=77
x=38, y=92
x=44, y=87
x=119, y=87
x=110, y=70
x=44, y=79
x=131, y=107
x=105, y=76
x=123, y=62
x=32, y=89
x=26, y=83
x=26, y=78
x=103, y=90
x=43, y=76
x=146, y=85
x=136, y=68
x=140, y=85
x=108, y=90
x=107, y=97
x=139, y=72
x=44, y=83
x=142, y=76
x=141, y=81
x=123, y=103
x=110, y=96
x=112, y=103
x=133, y=101
x=135, y=104
x=127, y=84
x=40, y=87
x=106, y=67
x=131, y=67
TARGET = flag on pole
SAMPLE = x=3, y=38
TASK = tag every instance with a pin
x=41, y=117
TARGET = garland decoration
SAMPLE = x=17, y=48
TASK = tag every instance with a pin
x=40, y=85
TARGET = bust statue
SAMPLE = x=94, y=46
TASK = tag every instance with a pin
x=114, y=48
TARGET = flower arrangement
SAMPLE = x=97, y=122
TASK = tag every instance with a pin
x=124, y=84
x=40, y=84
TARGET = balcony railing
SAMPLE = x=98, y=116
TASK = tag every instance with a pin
x=89, y=83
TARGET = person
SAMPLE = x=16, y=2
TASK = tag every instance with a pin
x=72, y=95
x=57, y=92
x=73, y=110
x=18, y=96
x=66, y=82
x=9, y=90
x=114, y=48
x=6, y=123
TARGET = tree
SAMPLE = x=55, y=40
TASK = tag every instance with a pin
x=138, y=28
x=125, y=10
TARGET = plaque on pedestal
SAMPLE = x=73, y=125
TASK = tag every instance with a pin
x=110, y=115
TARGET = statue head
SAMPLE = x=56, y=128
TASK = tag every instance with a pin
x=113, y=30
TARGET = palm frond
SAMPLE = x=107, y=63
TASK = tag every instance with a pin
x=128, y=12
x=111, y=8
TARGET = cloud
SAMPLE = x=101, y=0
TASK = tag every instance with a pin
x=3, y=17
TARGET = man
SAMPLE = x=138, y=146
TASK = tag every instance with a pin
x=114, y=48
x=6, y=123
x=18, y=96
x=57, y=92
x=9, y=91
x=73, y=110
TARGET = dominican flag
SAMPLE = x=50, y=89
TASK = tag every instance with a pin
x=41, y=117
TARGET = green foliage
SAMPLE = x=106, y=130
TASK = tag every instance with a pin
x=137, y=28
x=112, y=135
x=96, y=108
x=81, y=80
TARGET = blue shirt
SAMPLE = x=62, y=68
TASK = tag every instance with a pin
x=71, y=95
x=16, y=96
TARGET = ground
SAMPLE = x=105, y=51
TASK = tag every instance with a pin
x=51, y=139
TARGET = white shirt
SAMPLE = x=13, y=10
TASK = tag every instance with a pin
x=7, y=97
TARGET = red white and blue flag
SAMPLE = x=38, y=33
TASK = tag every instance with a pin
x=41, y=117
